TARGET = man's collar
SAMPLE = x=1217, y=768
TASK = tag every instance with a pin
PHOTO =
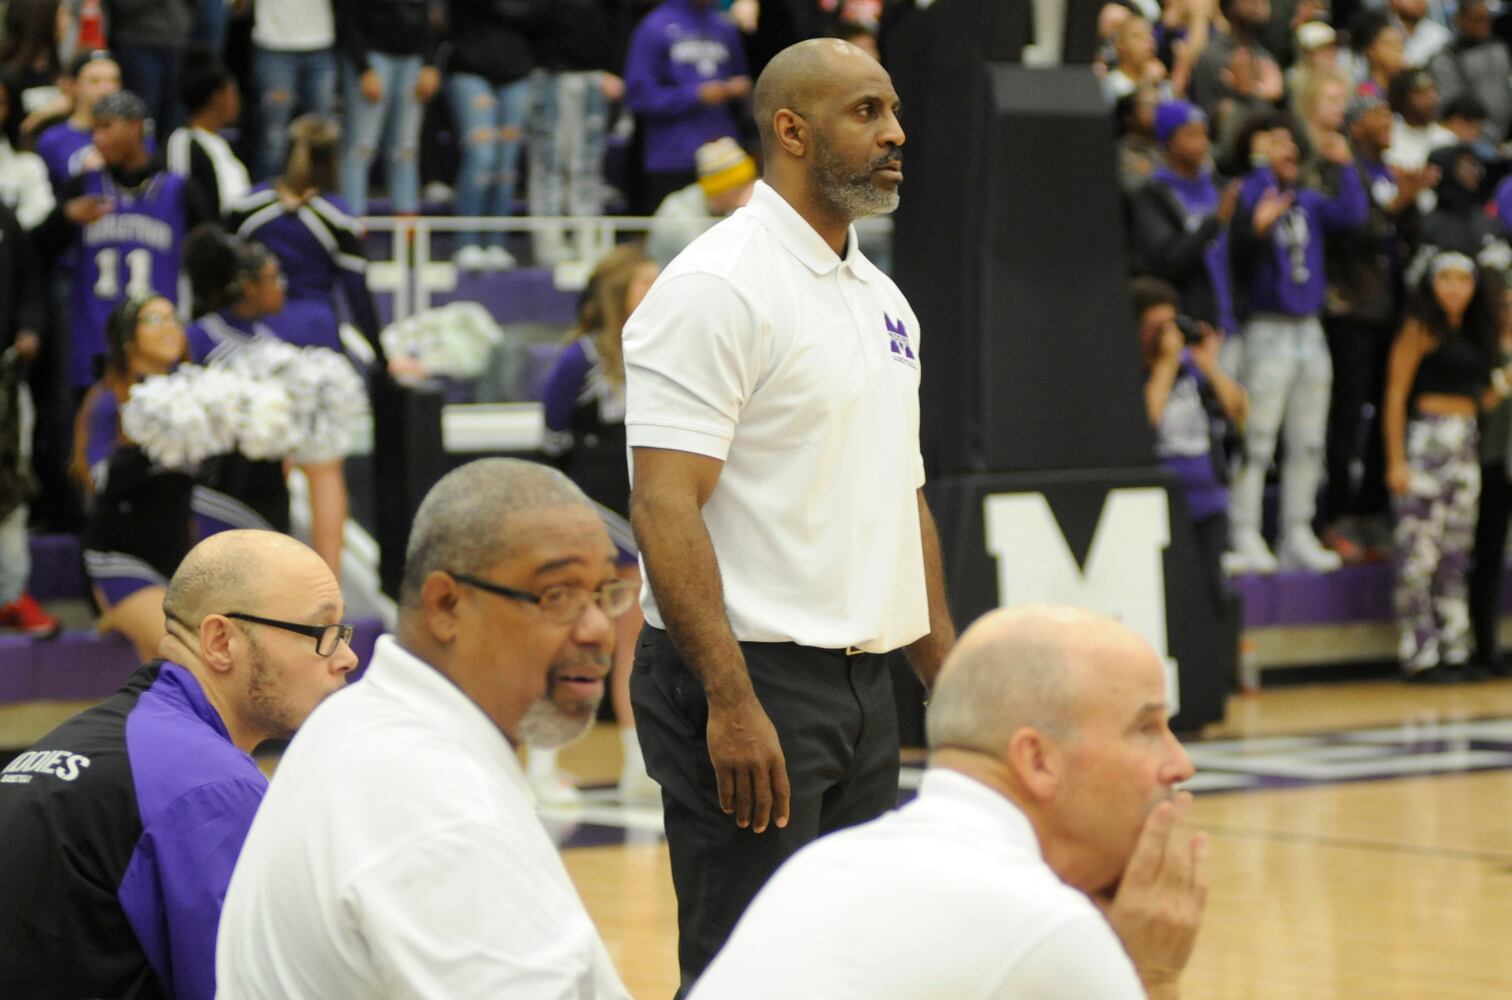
x=800, y=238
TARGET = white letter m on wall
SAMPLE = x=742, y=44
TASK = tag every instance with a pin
x=1124, y=574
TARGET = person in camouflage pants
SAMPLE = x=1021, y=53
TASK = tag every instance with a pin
x=1435, y=530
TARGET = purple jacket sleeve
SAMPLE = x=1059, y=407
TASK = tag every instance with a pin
x=649, y=87
x=176, y=883
x=563, y=385
x=1349, y=208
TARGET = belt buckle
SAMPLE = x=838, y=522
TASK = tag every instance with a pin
x=854, y=651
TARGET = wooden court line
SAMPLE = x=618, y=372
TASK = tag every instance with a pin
x=1322, y=840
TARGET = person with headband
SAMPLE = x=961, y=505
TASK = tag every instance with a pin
x=1440, y=378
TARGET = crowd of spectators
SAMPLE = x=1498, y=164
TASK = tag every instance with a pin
x=1325, y=201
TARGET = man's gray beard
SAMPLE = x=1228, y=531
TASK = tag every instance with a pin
x=546, y=727
x=853, y=197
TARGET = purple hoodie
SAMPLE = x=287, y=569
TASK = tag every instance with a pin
x=1286, y=275
x=676, y=48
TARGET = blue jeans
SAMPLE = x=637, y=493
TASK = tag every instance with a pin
x=491, y=121
x=394, y=117
x=285, y=81
x=212, y=19
x=152, y=73
x=568, y=135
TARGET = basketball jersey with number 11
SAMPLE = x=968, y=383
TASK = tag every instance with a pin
x=133, y=251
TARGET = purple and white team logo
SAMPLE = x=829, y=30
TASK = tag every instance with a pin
x=897, y=334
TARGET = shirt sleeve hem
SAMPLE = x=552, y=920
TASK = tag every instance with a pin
x=698, y=441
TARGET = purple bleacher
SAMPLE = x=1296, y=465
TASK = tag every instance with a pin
x=519, y=295
x=1353, y=594
x=80, y=666
x=57, y=569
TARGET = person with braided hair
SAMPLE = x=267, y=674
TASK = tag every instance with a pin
x=236, y=283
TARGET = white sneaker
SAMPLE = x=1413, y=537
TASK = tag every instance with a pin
x=1300, y=549
x=500, y=259
x=471, y=258
x=1249, y=554
x=637, y=789
x=554, y=790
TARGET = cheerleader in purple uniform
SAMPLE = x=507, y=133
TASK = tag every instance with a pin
x=138, y=526
x=236, y=285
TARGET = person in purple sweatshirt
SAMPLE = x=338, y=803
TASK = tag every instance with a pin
x=1180, y=218
x=685, y=75
x=122, y=825
x=1276, y=253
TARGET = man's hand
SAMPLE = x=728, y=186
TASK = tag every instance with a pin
x=1271, y=206
x=1229, y=200
x=737, y=87
x=27, y=345
x=427, y=84
x=713, y=92
x=748, y=764
x=87, y=208
x=371, y=85
x=1398, y=478
x=1157, y=909
x=612, y=86
x=1334, y=148
x=1205, y=351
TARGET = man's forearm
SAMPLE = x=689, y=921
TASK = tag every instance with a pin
x=684, y=575
x=927, y=654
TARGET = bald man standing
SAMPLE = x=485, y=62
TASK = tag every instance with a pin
x=772, y=381
x=120, y=828
x=1050, y=795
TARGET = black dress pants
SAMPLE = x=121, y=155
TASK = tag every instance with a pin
x=837, y=721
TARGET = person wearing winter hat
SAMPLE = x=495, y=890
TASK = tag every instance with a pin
x=726, y=178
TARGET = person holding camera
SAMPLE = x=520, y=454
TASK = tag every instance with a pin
x=1187, y=395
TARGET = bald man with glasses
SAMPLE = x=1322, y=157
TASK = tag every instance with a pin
x=120, y=828
x=398, y=852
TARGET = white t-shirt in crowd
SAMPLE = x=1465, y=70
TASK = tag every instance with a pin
x=293, y=25
x=398, y=853
x=799, y=370
x=947, y=897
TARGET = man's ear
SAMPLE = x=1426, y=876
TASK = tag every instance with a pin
x=791, y=131
x=215, y=641
x=439, y=597
x=1036, y=761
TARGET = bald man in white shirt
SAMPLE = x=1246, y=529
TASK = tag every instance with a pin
x=1047, y=857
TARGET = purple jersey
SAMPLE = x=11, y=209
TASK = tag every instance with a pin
x=63, y=148
x=319, y=247
x=135, y=250
x=675, y=49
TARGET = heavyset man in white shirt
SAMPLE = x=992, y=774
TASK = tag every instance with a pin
x=772, y=387
x=398, y=852
x=1051, y=783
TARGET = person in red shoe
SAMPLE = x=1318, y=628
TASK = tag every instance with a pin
x=21, y=315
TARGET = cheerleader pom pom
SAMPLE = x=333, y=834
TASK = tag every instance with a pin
x=166, y=418
x=265, y=420
x=328, y=395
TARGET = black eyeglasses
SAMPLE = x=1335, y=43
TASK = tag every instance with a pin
x=562, y=605
x=327, y=637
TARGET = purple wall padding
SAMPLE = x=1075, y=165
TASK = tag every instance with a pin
x=78, y=666
x=521, y=295
x=1353, y=594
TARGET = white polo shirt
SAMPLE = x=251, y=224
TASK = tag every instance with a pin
x=799, y=370
x=398, y=854
x=946, y=897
